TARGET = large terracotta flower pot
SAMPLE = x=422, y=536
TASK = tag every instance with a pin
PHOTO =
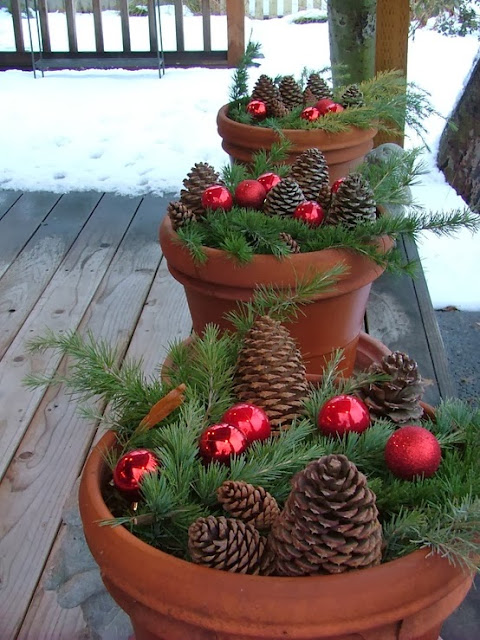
x=343, y=151
x=171, y=599
x=333, y=321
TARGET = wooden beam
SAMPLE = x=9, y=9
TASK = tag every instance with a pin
x=16, y=10
x=206, y=23
x=393, y=22
x=70, y=12
x=46, y=47
x=97, y=25
x=236, y=31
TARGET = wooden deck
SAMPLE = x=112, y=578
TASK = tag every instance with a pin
x=91, y=261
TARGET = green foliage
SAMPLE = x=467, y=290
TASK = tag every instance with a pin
x=239, y=88
x=450, y=17
x=313, y=19
x=263, y=161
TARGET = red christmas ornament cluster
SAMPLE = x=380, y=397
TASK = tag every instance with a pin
x=413, y=451
x=343, y=414
x=250, y=193
x=310, y=212
x=310, y=114
x=326, y=105
x=217, y=197
x=257, y=109
x=241, y=425
x=131, y=469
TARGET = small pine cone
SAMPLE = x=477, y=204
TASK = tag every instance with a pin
x=276, y=108
x=311, y=172
x=201, y=176
x=290, y=242
x=226, y=544
x=179, y=214
x=318, y=87
x=353, y=202
x=324, y=196
x=309, y=98
x=265, y=90
x=270, y=373
x=291, y=92
x=248, y=503
x=397, y=398
x=352, y=97
x=329, y=523
x=283, y=198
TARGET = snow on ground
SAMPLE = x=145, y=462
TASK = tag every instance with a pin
x=131, y=133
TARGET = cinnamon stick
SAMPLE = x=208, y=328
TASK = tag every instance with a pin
x=162, y=409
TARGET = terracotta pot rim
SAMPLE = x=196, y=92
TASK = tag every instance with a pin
x=331, y=141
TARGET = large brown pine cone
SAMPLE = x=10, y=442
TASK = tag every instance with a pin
x=201, y=176
x=310, y=171
x=291, y=92
x=248, y=503
x=179, y=214
x=265, y=90
x=309, y=98
x=329, y=523
x=399, y=397
x=270, y=373
x=318, y=87
x=353, y=203
x=283, y=198
x=352, y=97
x=276, y=108
x=225, y=544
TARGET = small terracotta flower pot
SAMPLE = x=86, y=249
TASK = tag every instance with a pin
x=171, y=599
x=343, y=151
x=333, y=321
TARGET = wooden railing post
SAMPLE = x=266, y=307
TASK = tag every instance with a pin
x=393, y=22
x=236, y=31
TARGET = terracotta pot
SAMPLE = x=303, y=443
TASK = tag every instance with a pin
x=171, y=599
x=343, y=151
x=333, y=321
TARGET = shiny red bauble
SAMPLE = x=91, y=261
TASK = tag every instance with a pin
x=217, y=197
x=252, y=421
x=310, y=212
x=323, y=105
x=269, y=180
x=413, y=451
x=131, y=469
x=220, y=442
x=257, y=109
x=250, y=193
x=343, y=414
x=310, y=114
x=335, y=108
x=336, y=185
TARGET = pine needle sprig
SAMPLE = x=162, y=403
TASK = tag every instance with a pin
x=192, y=236
x=239, y=87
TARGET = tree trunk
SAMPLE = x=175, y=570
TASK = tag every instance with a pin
x=351, y=27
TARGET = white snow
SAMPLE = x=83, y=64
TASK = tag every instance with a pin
x=131, y=133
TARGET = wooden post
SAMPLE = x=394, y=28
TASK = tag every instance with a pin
x=236, y=31
x=393, y=22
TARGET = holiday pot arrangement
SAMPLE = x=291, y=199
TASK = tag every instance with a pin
x=341, y=122
x=276, y=224
x=237, y=501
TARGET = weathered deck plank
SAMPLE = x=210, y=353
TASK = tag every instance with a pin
x=7, y=200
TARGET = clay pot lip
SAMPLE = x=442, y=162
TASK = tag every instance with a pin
x=331, y=141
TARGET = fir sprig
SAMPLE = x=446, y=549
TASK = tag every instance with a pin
x=239, y=88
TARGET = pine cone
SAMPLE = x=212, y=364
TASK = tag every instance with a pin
x=309, y=98
x=318, y=87
x=265, y=90
x=329, y=523
x=290, y=242
x=291, y=92
x=201, y=176
x=397, y=398
x=353, y=202
x=225, y=544
x=179, y=214
x=270, y=373
x=324, y=197
x=248, y=503
x=352, y=97
x=311, y=172
x=276, y=108
x=283, y=198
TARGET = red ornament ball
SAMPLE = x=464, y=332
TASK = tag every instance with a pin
x=335, y=108
x=413, y=451
x=217, y=197
x=310, y=114
x=269, y=180
x=336, y=185
x=252, y=421
x=323, y=106
x=343, y=414
x=310, y=212
x=250, y=193
x=131, y=469
x=220, y=442
x=257, y=109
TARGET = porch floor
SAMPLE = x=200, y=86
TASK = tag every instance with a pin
x=91, y=262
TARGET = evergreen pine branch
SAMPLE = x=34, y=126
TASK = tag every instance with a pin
x=232, y=174
x=239, y=88
x=192, y=236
